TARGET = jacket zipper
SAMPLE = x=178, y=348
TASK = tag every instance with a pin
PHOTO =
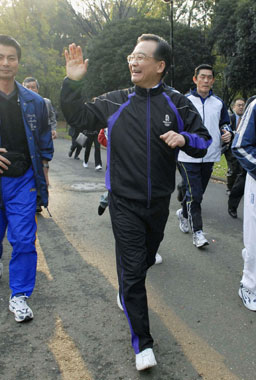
x=1, y=190
x=148, y=151
x=203, y=123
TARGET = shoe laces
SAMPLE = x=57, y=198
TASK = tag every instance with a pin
x=249, y=292
x=21, y=300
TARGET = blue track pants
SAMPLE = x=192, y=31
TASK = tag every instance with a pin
x=17, y=215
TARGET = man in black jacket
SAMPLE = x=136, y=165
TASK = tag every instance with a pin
x=234, y=168
x=146, y=125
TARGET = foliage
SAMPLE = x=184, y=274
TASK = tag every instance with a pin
x=234, y=33
x=222, y=32
x=96, y=14
x=30, y=23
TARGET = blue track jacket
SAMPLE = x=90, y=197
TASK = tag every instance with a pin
x=244, y=144
x=38, y=134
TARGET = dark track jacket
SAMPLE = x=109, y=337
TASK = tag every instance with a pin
x=140, y=165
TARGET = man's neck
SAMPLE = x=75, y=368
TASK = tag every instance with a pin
x=7, y=86
x=203, y=94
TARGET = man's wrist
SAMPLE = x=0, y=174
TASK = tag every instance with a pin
x=45, y=165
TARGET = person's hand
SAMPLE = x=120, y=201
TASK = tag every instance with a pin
x=3, y=161
x=54, y=134
x=173, y=139
x=76, y=66
x=226, y=136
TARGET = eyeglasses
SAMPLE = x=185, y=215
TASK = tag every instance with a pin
x=140, y=57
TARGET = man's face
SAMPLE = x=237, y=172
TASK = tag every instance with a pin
x=8, y=62
x=31, y=86
x=145, y=70
x=238, y=107
x=204, y=81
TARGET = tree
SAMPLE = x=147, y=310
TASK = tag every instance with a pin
x=31, y=23
x=93, y=15
x=234, y=33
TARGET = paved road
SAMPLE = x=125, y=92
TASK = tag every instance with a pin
x=200, y=327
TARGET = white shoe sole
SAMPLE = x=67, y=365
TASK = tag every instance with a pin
x=147, y=360
x=19, y=320
x=119, y=302
x=158, y=259
x=201, y=245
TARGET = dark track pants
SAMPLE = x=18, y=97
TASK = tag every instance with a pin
x=17, y=215
x=237, y=190
x=92, y=138
x=196, y=177
x=234, y=169
x=138, y=233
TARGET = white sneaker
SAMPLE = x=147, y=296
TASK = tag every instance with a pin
x=98, y=167
x=1, y=269
x=145, y=359
x=85, y=165
x=158, y=259
x=199, y=239
x=184, y=226
x=21, y=310
x=119, y=304
x=248, y=298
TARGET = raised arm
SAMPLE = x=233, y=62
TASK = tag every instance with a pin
x=76, y=66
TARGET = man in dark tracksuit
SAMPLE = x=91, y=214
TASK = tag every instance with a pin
x=145, y=125
x=25, y=149
x=234, y=168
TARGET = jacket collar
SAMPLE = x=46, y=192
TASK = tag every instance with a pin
x=195, y=93
x=24, y=93
x=149, y=91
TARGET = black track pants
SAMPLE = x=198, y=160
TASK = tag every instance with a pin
x=138, y=232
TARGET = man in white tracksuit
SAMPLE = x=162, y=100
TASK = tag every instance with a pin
x=244, y=148
x=196, y=172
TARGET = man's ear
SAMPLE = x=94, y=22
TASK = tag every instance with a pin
x=194, y=80
x=161, y=67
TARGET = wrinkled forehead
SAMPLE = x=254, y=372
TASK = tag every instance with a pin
x=145, y=47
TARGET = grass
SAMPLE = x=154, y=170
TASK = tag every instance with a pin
x=220, y=168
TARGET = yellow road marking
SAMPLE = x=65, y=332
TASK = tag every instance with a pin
x=70, y=362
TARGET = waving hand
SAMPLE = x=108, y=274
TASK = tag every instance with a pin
x=76, y=66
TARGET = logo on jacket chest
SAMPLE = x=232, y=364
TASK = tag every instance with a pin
x=167, y=122
x=32, y=121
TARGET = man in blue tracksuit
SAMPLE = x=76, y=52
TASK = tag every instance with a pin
x=196, y=172
x=145, y=124
x=25, y=149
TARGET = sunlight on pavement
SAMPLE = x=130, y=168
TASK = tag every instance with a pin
x=206, y=361
x=69, y=360
x=41, y=262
